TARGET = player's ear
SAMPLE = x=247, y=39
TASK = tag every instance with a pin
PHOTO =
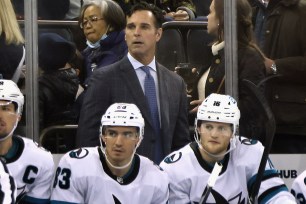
x=103, y=138
x=19, y=117
x=159, y=32
x=198, y=129
x=136, y=142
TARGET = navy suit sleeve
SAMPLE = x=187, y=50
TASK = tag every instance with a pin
x=96, y=102
x=181, y=130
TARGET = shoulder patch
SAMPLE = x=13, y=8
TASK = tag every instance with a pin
x=247, y=141
x=173, y=158
x=79, y=154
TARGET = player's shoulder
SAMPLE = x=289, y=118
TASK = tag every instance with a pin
x=148, y=164
x=247, y=151
x=80, y=158
x=179, y=162
x=81, y=155
x=178, y=156
x=300, y=179
x=249, y=145
x=27, y=148
x=33, y=148
x=152, y=172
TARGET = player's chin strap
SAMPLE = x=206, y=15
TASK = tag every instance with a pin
x=119, y=167
x=217, y=156
x=11, y=133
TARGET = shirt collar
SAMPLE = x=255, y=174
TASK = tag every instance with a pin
x=216, y=47
x=136, y=64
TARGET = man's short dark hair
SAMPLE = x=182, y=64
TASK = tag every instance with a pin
x=158, y=14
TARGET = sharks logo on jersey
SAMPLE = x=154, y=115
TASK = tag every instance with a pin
x=78, y=154
x=173, y=158
x=116, y=200
x=220, y=199
x=247, y=141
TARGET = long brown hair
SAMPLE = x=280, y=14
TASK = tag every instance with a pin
x=245, y=34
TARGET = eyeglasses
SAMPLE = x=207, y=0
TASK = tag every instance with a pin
x=91, y=20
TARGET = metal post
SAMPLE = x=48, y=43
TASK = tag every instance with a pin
x=230, y=38
x=31, y=88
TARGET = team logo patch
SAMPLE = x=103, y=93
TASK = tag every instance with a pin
x=248, y=141
x=173, y=158
x=78, y=154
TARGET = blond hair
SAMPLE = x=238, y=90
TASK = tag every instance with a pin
x=8, y=24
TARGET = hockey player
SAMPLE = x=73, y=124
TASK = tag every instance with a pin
x=298, y=188
x=216, y=141
x=31, y=166
x=112, y=173
x=7, y=185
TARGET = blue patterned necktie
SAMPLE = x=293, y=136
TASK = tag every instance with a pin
x=150, y=93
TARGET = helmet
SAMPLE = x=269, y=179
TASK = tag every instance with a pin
x=219, y=108
x=123, y=114
x=9, y=91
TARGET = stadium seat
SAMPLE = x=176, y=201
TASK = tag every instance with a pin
x=197, y=47
x=58, y=138
x=170, y=49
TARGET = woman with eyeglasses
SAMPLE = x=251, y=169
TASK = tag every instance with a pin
x=102, y=22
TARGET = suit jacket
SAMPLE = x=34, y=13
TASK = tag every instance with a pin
x=285, y=43
x=119, y=83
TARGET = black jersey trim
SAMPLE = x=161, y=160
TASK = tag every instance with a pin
x=12, y=183
x=125, y=181
x=20, y=149
x=203, y=163
x=271, y=192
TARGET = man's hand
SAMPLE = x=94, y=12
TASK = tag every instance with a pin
x=195, y=103
x=181, y=15
x=268, y=64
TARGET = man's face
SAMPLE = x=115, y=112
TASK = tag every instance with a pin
x=8, y=117
x=215, y=137
x=141, y=35
x=120, y=143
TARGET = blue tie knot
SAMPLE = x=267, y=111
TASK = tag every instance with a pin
x=146, y=69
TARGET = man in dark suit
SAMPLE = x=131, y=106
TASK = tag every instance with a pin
x=124, y=82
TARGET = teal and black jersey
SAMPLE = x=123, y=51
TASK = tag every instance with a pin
x=189, y=173
x=83, y=176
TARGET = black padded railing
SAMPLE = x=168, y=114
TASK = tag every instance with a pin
x=58, y=138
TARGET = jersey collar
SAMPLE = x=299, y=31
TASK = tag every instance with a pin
x=205, y=165
x=15, y=151
x=125, y=180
